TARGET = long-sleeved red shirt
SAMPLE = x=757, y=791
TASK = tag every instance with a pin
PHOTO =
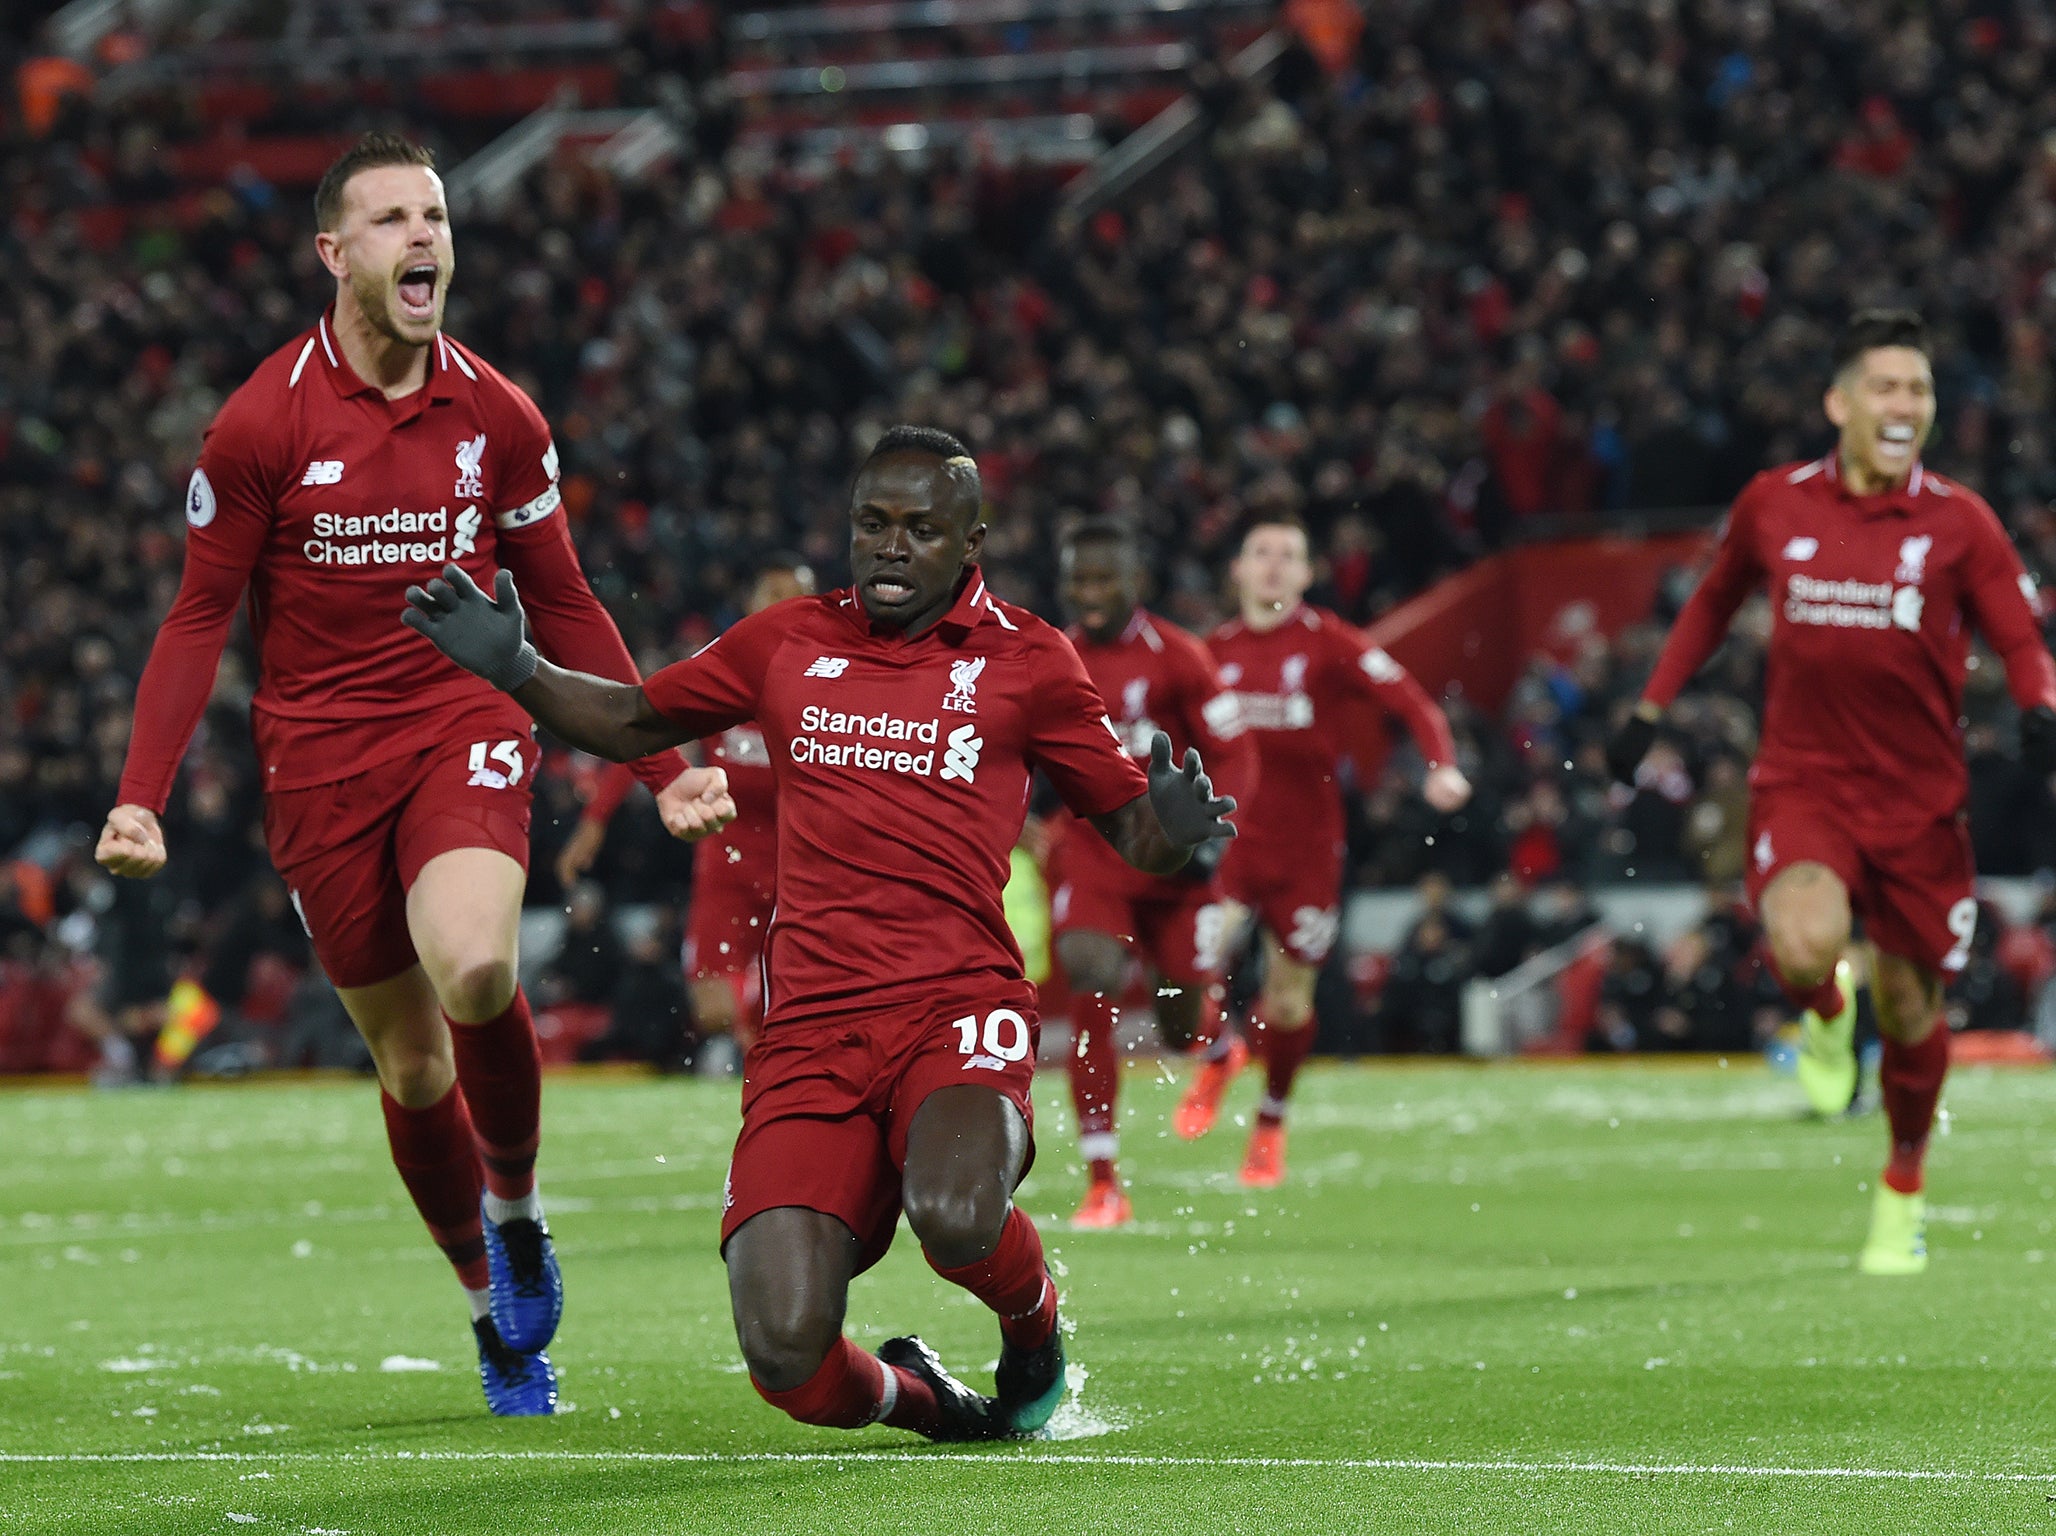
x=1873, y=600
x=322, y=501
x=1300, y=688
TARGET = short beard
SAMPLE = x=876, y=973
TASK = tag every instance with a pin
x=375, y=304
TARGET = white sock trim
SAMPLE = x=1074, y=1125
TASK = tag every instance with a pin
x=528, y=1208
x=1274, y=1108
x=1099, y=1146
x=889, y=1395
x=481, y=1302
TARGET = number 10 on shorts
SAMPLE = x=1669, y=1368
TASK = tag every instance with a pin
x=1005, y=1038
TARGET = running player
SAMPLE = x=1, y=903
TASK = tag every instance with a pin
x=1306, y=683
x=368, y=452
x=1154, y=677
x=735, y=872
x=903, y=714
x=1878, y=569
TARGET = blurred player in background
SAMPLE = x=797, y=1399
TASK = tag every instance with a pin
x=1153, y=677
x=1878, y=570
x=1308, y=687
x=368, y=453
x=734, y=872
x=904, y=715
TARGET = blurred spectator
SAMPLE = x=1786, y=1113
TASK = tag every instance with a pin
x=587, y=967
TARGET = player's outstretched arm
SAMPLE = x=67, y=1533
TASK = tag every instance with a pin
x=487, y=636
x=1157, y=832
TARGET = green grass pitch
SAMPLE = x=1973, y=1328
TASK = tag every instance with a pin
x=1523, y=1299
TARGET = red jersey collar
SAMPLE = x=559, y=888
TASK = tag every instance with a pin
x=1901, y=498
x=974, y=606
x=440, y=388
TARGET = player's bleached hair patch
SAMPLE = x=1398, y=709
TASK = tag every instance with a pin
x=956, y=458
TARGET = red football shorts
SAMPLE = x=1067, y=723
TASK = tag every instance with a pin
x=1299, y=903
x=350, y=851
x=1178, y=926
x=826, y=1105
x=1914, y=888
x=729, y=915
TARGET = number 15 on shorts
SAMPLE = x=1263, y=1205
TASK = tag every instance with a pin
x=1004, y=1039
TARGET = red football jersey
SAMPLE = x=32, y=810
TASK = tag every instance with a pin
x=1872, y=602
x=1156, y=677
x=324, y=501
x=1300, y=690
x=902, y=768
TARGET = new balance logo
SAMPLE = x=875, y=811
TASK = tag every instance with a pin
x=1802, y=548
x=961, y=760
x=828, y=666
x=323, y=472
x=989, y=1063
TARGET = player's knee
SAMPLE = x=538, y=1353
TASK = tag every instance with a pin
x=415, y=1077
x=476, y=989
x=1910, y=1005
x=1806, y=945
x=957, y=1224
x=784, y=1341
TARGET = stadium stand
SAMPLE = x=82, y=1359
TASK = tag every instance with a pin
x=1437, y=309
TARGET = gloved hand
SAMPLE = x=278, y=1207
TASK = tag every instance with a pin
x=483, y=635
x=1626, y=748
x=2038, y=740
x=1183, y=797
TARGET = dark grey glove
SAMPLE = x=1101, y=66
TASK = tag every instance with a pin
x=484, y=635
x=1183, y=797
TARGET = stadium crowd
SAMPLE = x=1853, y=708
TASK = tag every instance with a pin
x=1518, y=268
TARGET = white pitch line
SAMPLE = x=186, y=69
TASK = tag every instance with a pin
x=1025, y=1457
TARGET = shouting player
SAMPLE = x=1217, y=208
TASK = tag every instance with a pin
x=734, y=872
x=369, y=452
x=1308, y=686
x=1153, y=677
x=1878, y=569
x=904, y=715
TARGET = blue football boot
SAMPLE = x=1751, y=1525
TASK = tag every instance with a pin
x=517, y=1384
x=527, y=1286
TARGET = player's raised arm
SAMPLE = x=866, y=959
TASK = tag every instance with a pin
x=1998, y=594
x=487, y=636
x=228, y=509
x=1702, y=624
x=1396, y=691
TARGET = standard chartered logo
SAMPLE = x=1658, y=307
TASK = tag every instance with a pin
x=961, y=760
x=834, y=739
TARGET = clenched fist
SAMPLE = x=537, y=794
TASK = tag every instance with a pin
x=696, y=804
x=132, y=843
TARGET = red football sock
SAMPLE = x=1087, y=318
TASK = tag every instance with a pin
x=1013, y=1282
x=854, y=1388
x=1284, y=1052
x=1824, y=997
x=1094, y=1067
x=437, y=1157
x=500, y=1067
x=1910, y=1078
